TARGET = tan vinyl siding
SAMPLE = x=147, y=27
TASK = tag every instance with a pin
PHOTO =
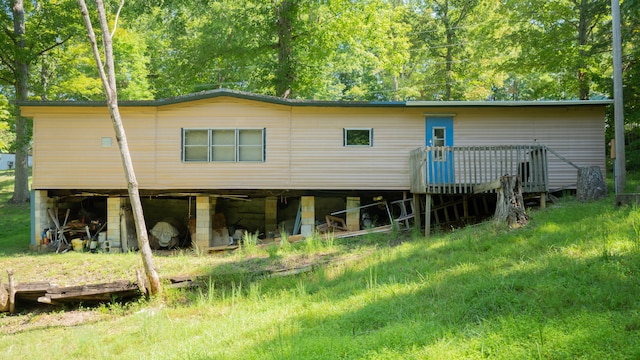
x=304, y=144
x=575, y=133
x=67, y=146
x=223, y=114
x=319, y=159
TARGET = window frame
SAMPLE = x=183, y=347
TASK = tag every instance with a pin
x=236, y=145
x=261, y=146
x=184, y=145
x=345, y=132
x=439, y=154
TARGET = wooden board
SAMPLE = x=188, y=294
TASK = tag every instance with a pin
x=90, y=293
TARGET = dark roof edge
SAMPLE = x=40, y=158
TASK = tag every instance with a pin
x=527, y=103
x=210, y=94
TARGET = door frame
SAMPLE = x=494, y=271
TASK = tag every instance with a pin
x=439, y=163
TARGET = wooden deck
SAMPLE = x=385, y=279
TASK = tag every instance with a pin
x=469, y=169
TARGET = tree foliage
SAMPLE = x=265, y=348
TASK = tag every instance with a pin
x=30, y=30
x=334, y=49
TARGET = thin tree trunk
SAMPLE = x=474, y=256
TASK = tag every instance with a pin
x=109, y=82
x=449, y=65
x=21, y=185
x=285, y=74
x=583, y=39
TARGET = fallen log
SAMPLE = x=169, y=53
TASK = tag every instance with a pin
x=90, y=293
x=32, y=290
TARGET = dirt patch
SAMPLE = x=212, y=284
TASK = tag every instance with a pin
x=39, y=319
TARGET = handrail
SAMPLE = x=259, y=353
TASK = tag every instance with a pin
x=459, y=169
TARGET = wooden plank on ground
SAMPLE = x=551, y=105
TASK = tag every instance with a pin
x=379, y=229
x=92, y=292
x=213, y=249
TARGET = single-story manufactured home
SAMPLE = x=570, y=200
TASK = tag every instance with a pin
x=270, y=164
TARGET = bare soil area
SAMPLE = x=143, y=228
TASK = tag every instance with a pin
x=40, y=318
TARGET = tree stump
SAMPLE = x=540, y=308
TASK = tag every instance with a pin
x=591, y=184
x=510, y=205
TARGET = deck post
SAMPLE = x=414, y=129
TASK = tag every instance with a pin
x=353, y=213
x=543, y=200
x=427, y=216
x=203, y=222
x=416, y=211
x=308, y=216
x=114, y=204
x=271, y=215
x=465, y=207
x=40, y=217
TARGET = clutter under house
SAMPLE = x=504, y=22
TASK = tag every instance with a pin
x=105, y=224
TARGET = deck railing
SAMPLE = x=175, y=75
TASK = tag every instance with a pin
x=460, y=169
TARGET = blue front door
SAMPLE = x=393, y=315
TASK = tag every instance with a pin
x=439, y=136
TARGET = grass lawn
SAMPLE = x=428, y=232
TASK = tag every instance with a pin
x=566, y=286
x=14, y=219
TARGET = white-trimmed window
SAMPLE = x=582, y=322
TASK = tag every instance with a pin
x=358, y=137
x=223, y=145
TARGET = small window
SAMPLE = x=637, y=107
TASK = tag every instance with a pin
x=439, y=140
x=106, y=142
x=224, y=145
x=358, y=137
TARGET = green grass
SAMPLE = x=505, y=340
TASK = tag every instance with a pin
x=14, y=219
x=566, y=286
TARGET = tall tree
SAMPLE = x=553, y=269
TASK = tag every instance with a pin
x=451, y=14
x=21, y=74
x=108, y=77
x=68, y=72
x=630, y=10
x=50, y=26
x=441, y=46
x=5, y=134
x=307, y=49
x=565, y=41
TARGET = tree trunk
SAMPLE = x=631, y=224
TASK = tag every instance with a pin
x=591, y=185
x=109, y=82
x=21, y=185
x=450, y=38
x=583, y=39
x=510, y=205
x=285, y=73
